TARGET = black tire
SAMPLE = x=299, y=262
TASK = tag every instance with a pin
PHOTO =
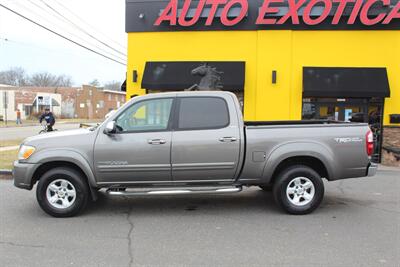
x=42, y=131
x=266, y=188
x=72, y=176
x=287, y=176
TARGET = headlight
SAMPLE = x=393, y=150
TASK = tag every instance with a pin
x=25, y=152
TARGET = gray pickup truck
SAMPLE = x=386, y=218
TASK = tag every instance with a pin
x=191, y=142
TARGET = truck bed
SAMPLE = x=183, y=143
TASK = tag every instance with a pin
x=292, y=122
x=338, y=145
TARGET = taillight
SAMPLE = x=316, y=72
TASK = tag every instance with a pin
x=369, y=142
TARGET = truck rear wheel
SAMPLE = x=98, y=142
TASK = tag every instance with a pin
x=298, y=189
x=62, y=192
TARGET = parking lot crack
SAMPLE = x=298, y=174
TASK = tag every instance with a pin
x=129, y=236
x=20, y=245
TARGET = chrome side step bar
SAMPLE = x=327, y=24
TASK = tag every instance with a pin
x=180, y=191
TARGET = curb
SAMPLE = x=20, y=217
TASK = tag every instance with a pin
x=8, y=148
x=86, y=125
x=388, y=168
x=5, y=171
x=36, y=124
x=20, y=125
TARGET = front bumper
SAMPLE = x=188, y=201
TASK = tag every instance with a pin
x=372, y=169
x=22, y=174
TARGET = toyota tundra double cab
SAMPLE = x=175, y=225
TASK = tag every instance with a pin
x=187, y=143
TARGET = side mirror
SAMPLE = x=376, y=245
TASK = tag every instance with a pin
x=110, y=128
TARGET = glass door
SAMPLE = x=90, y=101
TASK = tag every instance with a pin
x=363, y=110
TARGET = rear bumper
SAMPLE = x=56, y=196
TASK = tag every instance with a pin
x=22, y=174
x=359, y=172
x=372, y=169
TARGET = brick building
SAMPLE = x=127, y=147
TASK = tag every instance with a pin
x=66, y=102
x=92, y=103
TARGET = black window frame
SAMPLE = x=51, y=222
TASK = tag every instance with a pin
x=177, y=115
x=170, y=119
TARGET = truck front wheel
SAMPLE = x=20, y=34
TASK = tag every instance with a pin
x=62, y=192
x=298, y=189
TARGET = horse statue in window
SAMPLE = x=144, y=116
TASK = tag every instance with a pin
x=210, y=78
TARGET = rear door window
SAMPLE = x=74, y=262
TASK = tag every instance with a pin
x=196, y=113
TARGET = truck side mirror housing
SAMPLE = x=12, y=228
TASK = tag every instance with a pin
x=110, y=128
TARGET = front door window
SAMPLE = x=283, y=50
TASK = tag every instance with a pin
x=148, y=115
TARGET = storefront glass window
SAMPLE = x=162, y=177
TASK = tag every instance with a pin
x=363, y=110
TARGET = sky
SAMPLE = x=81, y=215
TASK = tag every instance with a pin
x=36, y=50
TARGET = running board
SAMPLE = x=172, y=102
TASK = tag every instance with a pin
x=166, y=192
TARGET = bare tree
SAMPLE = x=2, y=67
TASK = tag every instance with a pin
x=14, y=76
x=64, y=80
x=17, y=77
x=43, y=79
x=95, y=83
x=113, y=85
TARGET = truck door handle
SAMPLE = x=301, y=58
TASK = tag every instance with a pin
x=156, y=141
x=228, y=139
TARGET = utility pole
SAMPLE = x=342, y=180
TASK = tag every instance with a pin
x=5, y=107
x=37, y=103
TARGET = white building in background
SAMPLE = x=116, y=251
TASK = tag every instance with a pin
x=65, y=102
x=7, y=105
x=45, y=100
x=29, y=103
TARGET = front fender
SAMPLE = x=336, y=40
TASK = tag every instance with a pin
x=68, y=155
x=296, y=149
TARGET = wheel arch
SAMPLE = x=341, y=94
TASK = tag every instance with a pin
x=314, y=155
x=309, y=161
x=50, y=159
x=45, y=167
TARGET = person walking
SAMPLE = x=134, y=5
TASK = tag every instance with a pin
x=19, y=121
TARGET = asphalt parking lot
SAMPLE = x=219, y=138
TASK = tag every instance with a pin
x=358, y=224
